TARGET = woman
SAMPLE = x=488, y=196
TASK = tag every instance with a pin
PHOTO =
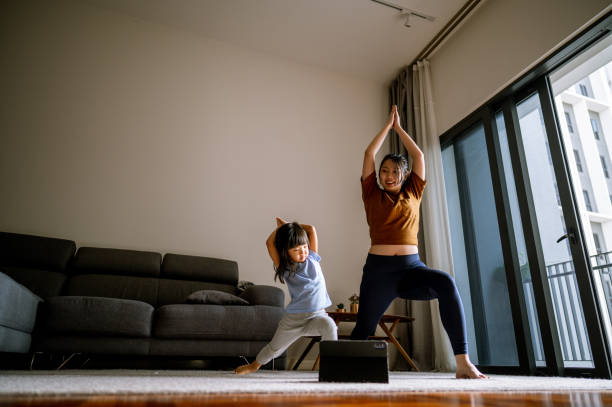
x=393, y=268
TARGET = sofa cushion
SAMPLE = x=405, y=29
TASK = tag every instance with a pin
x=35, y=251
x=18, y=305
x=214, y=297
x=125, y=287
x=95, y=260
x=264, y=295
x=41, y=282
x=14, y=341
x=198, y=321
x=178, y=266
x=97, y=316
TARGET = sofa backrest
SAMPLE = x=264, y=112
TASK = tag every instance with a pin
x=140, y=275
x=182, y=275
x=115, y=273
x=39, y=263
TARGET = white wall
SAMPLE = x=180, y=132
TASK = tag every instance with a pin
x=499, y=42
x=121, y=133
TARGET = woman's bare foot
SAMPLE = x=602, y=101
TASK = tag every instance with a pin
x=466, y=370
x=246, y=369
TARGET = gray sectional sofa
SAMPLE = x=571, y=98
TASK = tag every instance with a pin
x=101, y=301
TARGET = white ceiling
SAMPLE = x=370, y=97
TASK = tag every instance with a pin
x=357, y=37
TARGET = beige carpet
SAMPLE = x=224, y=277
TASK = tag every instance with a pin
x=87, y=382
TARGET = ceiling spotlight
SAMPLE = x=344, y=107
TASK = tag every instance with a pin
x=407, y=22
x=405, y=12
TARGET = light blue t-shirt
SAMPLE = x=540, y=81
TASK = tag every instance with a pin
x=307, y=287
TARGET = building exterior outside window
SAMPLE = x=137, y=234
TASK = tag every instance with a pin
x=585, y=109
x=578, y=162
x=585, y=88
x=587, y=200
x=597, y=242
x=568, y=120
x=594, y=125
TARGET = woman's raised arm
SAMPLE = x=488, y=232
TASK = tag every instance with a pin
x=374, y=146
x=418, y=158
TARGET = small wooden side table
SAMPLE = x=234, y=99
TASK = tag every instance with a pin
x=352, y=317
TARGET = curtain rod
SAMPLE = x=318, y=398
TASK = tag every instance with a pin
x=446, y=31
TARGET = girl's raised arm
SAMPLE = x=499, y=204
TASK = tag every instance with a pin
x=272, y=249
x=370, y=153
x=313, y=242
x=418, y=158
x=270, y=243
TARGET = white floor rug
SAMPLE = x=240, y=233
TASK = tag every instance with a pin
x=87, y=382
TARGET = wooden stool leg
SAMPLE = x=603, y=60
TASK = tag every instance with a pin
x=316, y=363
x=303, y=355
x=398, y=345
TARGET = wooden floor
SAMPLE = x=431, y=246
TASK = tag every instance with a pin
x=471, y=399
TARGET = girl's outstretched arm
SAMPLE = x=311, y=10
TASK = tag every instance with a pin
x=271, y=248
x=375, y=144
x=313, y=242
x=418, y=158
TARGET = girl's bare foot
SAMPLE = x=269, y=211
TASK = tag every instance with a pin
x=246, y=369
x=466, y=370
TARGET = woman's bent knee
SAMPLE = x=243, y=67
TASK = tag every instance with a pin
x=445, y=284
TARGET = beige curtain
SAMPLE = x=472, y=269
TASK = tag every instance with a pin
x=412, y=93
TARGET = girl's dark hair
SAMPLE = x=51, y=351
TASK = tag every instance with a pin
x=287, y=237
x=399, y=160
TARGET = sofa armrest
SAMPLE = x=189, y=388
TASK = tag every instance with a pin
x=264, y=295
x=18, y=305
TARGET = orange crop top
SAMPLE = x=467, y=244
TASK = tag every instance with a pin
x=393, y=219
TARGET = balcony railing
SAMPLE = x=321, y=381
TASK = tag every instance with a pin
x=568, y=310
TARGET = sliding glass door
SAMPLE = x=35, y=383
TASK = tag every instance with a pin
x=582, y=91
x=529, y=188
x=554, y=240
x=477, y=251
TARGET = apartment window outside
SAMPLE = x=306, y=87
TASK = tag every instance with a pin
x=604, y=166
x=597, y=243
x=585, y=88
x=587, y=201
x=594, y=125
x=568, y=119
x=578, y=162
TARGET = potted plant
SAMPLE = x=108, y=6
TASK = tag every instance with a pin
x=354, y=299
x=340, y=308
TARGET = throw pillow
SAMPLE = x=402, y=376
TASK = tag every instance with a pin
x=243, y=285
x=214, y=297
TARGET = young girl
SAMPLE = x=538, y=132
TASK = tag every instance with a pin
x=293, y=249
x=393, y=267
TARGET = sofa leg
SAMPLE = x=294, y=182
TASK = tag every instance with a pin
x=84, y=363
x=33, y=358
x=66, y=361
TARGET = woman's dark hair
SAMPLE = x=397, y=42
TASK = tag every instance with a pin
x=399, y=160
x=287, y=237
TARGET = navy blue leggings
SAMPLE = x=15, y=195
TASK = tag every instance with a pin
x=387, y=277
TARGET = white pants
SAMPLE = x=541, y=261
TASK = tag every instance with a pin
x=292, y=327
